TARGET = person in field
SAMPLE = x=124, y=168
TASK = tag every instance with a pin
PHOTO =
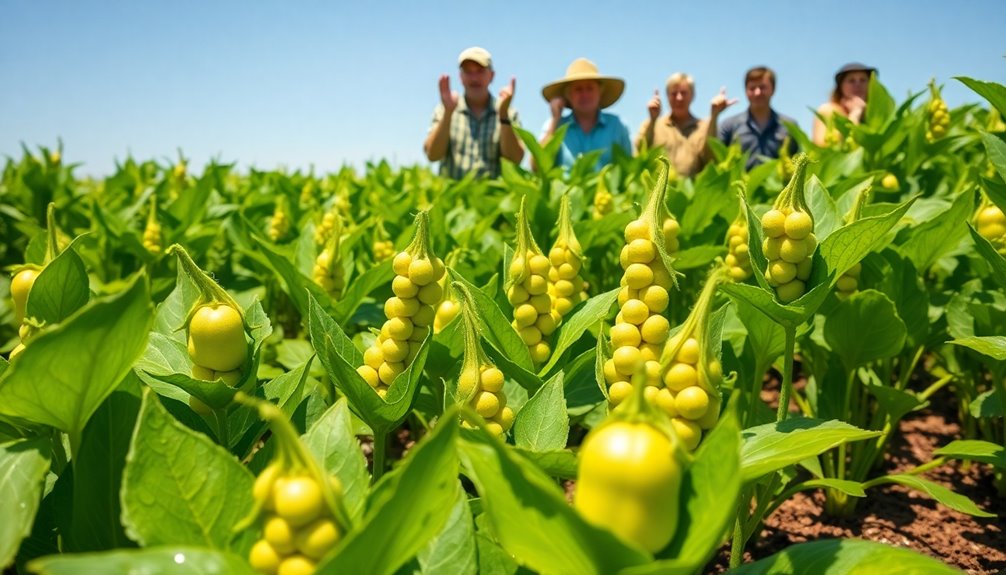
x=759, y=129
x=471, y=133
x=683, y=135
x=848, y=99
x=586, y=93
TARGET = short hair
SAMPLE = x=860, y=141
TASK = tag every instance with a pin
x=759, y=72
x=680, y=78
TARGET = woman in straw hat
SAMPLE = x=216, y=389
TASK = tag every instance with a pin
x=586, y=92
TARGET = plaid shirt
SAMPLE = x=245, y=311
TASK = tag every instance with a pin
x=474, y=145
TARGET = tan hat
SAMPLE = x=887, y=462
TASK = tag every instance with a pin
x=480, y=56
x=584, y=69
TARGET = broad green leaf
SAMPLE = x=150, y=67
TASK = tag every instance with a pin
x=23, y=467
x=712, y=192
x=493, y=558
x=863, y=328
x=709, y=495
x=997, y=263
x=322, y=326
x=297, y=284
x=287, y=390
x=180, y=488
x=97, y=472
x=987, y=404
x=881, y=107
x=526, y=508
x=905, y=288
x=764, y=301
x=410, y=506
x=592, y=312
x=996, y=149
x=773, y=446
x=496, y=329
x=59, y=290
x=334, y=445
x=846, y=557
x=984, y=451
x=96, y=347
x=993, y=346
x=166, y=560
x=847, y=245
x=560, y=463
x=940, y=235
x=766, y=338
x=896, y=402
x=991, y=91
x=697, y=257
x=359, y=288
x=542, y=424
x=453, y=551
x=941, y=494
x=853, y=488
x=823, y=208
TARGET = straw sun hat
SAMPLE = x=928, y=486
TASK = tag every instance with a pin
x=584, y=69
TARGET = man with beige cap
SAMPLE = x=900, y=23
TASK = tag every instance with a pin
x=586, y=92
x=470, y=134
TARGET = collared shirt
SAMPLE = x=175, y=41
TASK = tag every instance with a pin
x=685, y=142
x=474, y=144
x=761, y=144
x=609, y=131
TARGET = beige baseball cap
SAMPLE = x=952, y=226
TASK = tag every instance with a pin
x=480, y=56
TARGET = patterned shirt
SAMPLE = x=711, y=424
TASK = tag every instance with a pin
x=474, y=144
x=761, y=144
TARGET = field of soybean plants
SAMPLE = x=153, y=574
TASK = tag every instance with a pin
x=794, y=369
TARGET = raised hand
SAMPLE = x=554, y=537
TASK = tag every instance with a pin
x=447, y=98
x=653, y=106
x=720, y=102
x=556, y=105
x=506, y=95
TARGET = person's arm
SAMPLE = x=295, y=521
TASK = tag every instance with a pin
x=719, y=103
x=646, y=131
x=555, y=106
x=439, y=137
x=510, y=145
x=819, y=133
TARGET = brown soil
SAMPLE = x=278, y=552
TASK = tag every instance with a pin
x=899, y=516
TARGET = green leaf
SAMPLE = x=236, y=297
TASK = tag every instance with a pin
x=409, y=507
x=881, y=107
x=334, y=445
x=496, y=328
x=991, y=91
x=712, y=193
x=180, y=488
x=709, y=495
x=993, y=346
x=23, y=468
x=853, y=488
x=98, y=469
x=59, y=290
x=945, y=496
x=764, y=301
x=696, y=257
x=774, y=446
x=593, y=311
x=542, y=424
x=987, y=404
x=766, y=338
x=96, y=347
x=843, y=557
x=823, y=207
x=154, y=561
x=997, y=263
x=453, y=551
x=560, y=463
x=984, y=451
x=896, y=402
x=863, y=328
x=939, y=235
x=847, y=245
x=996, y=149
x=359, y=288
x=525, y=509
x=297, y=284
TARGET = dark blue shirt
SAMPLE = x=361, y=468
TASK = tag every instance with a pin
x=760, y=144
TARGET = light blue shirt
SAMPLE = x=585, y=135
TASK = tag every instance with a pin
x=608, y=131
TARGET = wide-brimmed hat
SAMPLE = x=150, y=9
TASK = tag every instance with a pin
x=853, y=67
x=584, y=69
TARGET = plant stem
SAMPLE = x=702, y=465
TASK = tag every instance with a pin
x=738, y=541
x=787, y=373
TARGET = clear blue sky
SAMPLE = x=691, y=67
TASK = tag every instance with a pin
x=270, y=83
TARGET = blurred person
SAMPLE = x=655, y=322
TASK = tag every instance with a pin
x=683, y=135
x=472, y=133
x=848, y=99
x=759, y=129
x=586, y=93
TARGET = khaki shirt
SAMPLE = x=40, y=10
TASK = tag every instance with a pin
x=685, y=143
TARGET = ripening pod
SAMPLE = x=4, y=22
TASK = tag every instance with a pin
x=409, y=312
x=937, y=113
x=299, y=508
x=738, y=260
x=990, y=223
x=784, y=168
x=307, y=198
x=152, y=231
x=789, y=242
x=383, y=250
x=323, y=232
x=566, y=287
x=604, y=202
x=527, y=288
x=279, y=224
x=20, y=287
